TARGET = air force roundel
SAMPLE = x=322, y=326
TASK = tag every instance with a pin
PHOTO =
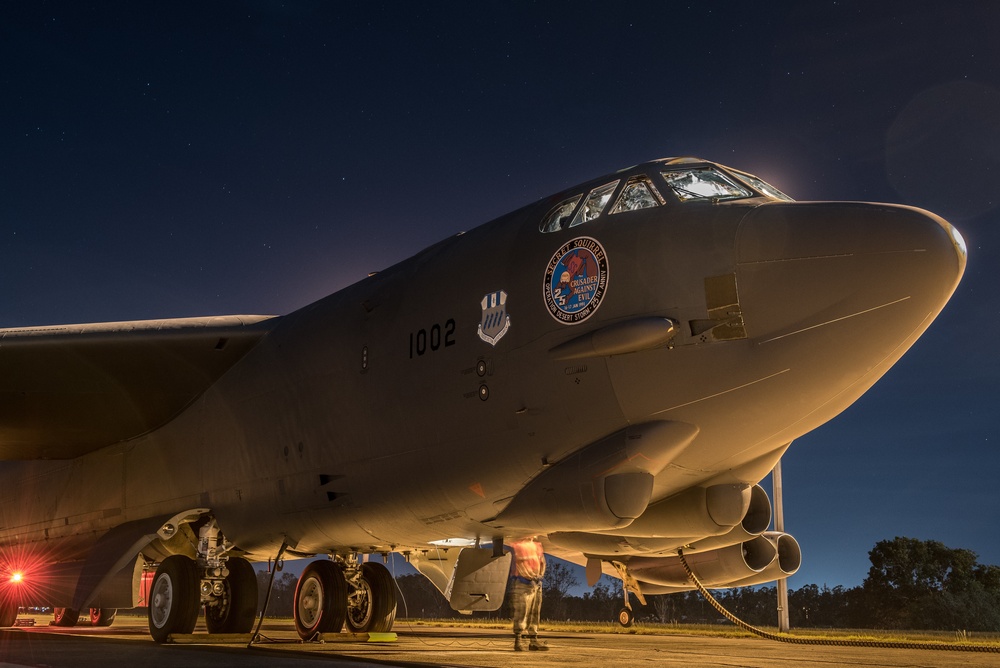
x=495, y=321
x=576, y=279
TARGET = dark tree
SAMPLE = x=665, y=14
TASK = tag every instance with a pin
x=282, y=593
x=418, y=598
x=919, y=584
x=559, y=579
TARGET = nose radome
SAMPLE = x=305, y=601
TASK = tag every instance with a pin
x=846, y=267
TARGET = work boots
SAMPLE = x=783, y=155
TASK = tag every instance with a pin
x=537, y=645
x=518, y=645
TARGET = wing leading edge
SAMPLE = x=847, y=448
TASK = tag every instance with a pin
x=67, y=390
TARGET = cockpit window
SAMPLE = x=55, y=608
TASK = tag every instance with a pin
x=637, y=194
x=704, y=183
x=762, y=186
x=559, y=215
x=596, y=201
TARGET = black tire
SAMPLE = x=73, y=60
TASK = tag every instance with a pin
x=65, y=617
x=103, y=616
x=8, y=609
x=625, y=617
x=237, y=609
x=373, y=610
x=173, y=598
x=320, y=600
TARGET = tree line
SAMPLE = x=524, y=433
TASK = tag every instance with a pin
x=912, y=584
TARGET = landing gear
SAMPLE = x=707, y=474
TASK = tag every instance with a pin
x=320, y=600
x=173, y=598
x=8, y=610
x=330, y=593
x=65, y=616
x=102, y=616
x=629, y=584
x=234, y=611
x=226, y=586
x=371, y=605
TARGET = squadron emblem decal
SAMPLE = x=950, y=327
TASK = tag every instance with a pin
x=575, y=280
x=495, y=321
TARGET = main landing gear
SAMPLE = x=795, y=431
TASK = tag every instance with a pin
x=332, y=593
x=328, y=596
x=71, y=617
x=226, y=586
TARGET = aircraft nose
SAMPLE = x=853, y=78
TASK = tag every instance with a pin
x=875, y=271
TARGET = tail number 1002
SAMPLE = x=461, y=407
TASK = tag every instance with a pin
x=437, y=337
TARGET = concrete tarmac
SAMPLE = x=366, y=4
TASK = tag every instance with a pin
x=128, y=644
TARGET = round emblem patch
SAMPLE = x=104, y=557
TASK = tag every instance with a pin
x=575, y=280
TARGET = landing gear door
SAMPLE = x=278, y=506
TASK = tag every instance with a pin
x=480, y=580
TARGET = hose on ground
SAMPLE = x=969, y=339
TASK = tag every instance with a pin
x=885, y=644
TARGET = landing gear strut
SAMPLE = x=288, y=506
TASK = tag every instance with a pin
x=629, y=584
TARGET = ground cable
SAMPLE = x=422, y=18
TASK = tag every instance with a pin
x=885, y=644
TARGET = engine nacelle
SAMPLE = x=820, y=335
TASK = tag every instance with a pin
x=606, y=546
x=680, y=521
x=698, y=511
x=755, y=522
x=604, y=485
x=664, y=579
x=787, y=562
x=713, y=568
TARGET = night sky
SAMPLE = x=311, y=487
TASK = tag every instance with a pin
x=168, y=159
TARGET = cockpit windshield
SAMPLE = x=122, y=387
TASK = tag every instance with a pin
x=690, y=180
x=704, y=183
x=763, y=186
x=594, y=206
x=637, y=194
x=560, y=214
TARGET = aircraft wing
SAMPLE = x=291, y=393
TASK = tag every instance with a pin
x=67, y=390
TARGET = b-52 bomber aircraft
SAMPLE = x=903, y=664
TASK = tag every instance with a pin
x=613, y=369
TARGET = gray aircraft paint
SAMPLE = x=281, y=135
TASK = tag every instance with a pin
x=702, y=337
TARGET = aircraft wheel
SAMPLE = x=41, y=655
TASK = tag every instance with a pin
x=174, y=598
x=237, y=608
x=373, y=607
x=8, y=610
x=625, y=617
x=65, y=616
x=102, y=616
x=320, y=600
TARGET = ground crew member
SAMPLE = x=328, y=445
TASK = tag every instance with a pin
x=526, y=573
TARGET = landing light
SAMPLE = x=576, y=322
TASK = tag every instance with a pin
x=17, y=577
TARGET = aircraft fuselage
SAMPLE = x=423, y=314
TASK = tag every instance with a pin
x=415, y=405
